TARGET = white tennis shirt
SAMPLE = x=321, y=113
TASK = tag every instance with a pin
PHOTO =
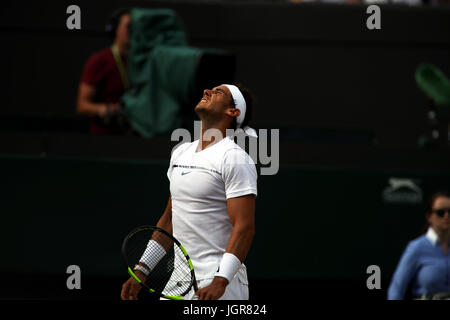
x=200, y=184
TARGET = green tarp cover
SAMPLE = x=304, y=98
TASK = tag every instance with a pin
x=161, y=69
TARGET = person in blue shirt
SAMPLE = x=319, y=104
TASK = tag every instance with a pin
x=424, y=267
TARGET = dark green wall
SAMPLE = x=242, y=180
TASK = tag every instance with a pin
x=318, y=61
x=311, y=222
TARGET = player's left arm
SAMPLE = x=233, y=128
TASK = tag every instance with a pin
x=241, y=211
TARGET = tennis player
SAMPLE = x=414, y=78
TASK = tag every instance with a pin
x=211, y=208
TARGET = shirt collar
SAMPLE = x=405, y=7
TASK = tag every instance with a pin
x=432, y=236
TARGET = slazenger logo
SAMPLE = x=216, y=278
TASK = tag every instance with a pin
x=401, y=190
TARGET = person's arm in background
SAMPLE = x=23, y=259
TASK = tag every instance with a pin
x=404, y=274
x=86, y=104
x=241, y=211
x=131, y=288
x=92, y=75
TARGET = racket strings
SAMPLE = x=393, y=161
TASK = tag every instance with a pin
x=170, y=272
x=180, y=278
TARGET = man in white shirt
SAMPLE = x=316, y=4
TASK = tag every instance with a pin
x=213, y=188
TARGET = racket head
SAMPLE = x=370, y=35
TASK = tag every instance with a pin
x=171, y=271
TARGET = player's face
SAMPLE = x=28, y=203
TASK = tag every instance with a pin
x=440, y=223
x=215, y=101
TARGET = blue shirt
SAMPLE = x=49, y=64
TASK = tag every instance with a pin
x=423, y=265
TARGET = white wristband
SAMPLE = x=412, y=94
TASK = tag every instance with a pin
x=229, y=266
x=152, y=255
x=142, y=269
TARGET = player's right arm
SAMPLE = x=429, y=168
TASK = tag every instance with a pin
x=165, y=222
x=131, y=288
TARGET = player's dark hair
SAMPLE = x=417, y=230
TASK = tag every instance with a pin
x=114, y=21
x=249, y=101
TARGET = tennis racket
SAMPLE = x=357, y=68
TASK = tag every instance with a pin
x=166, y=264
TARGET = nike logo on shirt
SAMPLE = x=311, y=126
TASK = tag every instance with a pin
x=183, y=173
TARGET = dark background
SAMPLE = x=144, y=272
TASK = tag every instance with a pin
x=344, y=98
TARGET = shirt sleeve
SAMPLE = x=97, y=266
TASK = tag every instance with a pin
x=404, y=273
x=239, y=174
x=93, y=70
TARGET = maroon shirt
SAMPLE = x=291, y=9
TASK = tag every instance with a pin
x=101, y=71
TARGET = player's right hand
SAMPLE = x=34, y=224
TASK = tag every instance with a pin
x=131, y=288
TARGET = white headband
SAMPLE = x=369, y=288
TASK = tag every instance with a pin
x=240, y=104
